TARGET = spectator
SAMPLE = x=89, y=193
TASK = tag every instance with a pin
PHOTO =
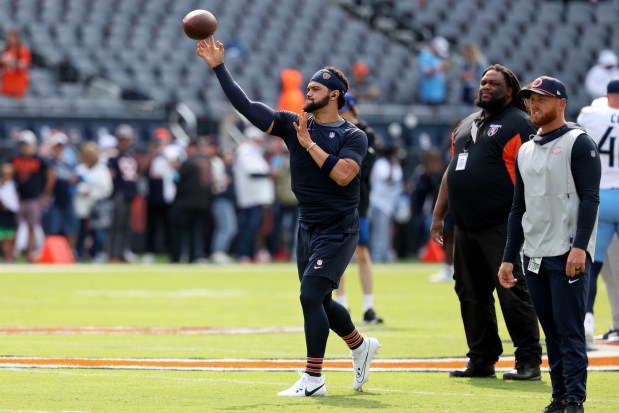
x=224, y=206
x=433, y=65
x=254, y=190
x=292, y=96
x=15, y=66
x=93, y=206
x=472, y=67
x=599, y=121
x=60, y=218
x=124, y=171
x=35, y=183
x=601, y=73
x=387, y=183
x=361, y=86
x=9, y=206
x=191, y=205
x=161, y=191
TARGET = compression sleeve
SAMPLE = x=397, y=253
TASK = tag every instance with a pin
x=257, y=113
x=587, y=171
x=515, y=234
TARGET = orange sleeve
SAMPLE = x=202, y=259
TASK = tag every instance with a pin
x=510, y=150
x=453, y=149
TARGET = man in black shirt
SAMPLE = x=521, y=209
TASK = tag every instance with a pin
x=477, y=189
x=326, y=152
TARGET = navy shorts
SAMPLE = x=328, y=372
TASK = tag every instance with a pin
x=326, y=250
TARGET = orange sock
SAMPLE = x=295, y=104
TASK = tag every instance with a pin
x=353, y=340
x=313, y=367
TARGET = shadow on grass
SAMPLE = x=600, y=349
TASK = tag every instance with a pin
x=539, y=386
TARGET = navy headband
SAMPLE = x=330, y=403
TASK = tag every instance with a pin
x=329, y=79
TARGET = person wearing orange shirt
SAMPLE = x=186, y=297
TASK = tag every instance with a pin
x=14, y=66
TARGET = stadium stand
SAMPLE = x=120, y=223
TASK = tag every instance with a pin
x=111, y=59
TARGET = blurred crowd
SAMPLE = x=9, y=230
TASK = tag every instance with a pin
x=116, y=199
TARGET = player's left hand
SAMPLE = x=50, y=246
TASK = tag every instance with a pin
x=305, y=140
x=575, y=262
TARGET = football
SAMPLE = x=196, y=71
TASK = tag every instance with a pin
x=199, y=24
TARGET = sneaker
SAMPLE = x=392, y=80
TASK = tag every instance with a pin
x=361, y=359
x=446, y=275
x=148, y=258
x=524, y=371
x=555, y=406
x=306, y=386
x=589, y=328
x=370, y=317
x=610, y=335
x=220, y=257
x=574, y=407
x=475, y=370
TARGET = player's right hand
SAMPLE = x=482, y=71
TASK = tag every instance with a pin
x=506, y=275
x=436, y=231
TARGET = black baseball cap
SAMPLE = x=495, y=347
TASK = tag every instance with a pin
x=545, y=85
x=613, y=86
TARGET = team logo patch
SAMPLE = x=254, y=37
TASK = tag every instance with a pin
x=331, y=135
x=557, y=150
x=325, y=75
x=493, y=129
x=593, y=154
x=536, y=82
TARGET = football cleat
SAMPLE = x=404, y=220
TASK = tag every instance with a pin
x=306, y=386
x=361, y=359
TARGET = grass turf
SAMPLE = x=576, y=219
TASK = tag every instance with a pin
x=422, y=320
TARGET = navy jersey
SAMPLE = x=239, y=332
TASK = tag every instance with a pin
x=30, y=175
x=124, y=170
x=321, y=200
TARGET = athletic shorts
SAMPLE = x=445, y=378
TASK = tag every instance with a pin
x=326, y=250
x=30, y=211
x=7, y=233
x=364, y=232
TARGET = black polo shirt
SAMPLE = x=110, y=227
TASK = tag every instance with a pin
x=480, y=195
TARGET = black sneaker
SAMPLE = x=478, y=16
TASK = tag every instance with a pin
x=610, y=335
x=370, y=317
x=555, y=406
x=523, y=371
x=475, y=370
x=574, y=407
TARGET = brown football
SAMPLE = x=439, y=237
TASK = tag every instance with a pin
x=199, y=24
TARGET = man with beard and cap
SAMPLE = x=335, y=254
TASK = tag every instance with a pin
x=477, y=188
x=326, y=152
x=554, y=219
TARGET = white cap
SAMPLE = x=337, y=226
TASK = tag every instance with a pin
x=27, y=136
x=441, y=45
x=58, y=138
x=607, y=58
x=251, y=132
x=107, y=141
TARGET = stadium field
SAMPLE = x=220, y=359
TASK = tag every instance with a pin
x=201, y=338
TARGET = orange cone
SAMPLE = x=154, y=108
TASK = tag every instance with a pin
x=56, y=250
x=433, y=252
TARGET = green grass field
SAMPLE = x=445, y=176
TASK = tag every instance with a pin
x=422, y=321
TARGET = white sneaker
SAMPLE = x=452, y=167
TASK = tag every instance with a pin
x=589, y=328
x=148, y=258
x=361, y=359
x=306, y=386
x=220, y=257
x=446, y=275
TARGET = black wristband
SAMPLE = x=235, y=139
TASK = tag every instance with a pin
x=329, y=164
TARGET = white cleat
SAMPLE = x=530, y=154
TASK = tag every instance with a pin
x=306, y=386
x=361, y=359
x=589, y=328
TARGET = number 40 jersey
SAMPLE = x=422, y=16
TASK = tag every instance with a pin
x=601, y=122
